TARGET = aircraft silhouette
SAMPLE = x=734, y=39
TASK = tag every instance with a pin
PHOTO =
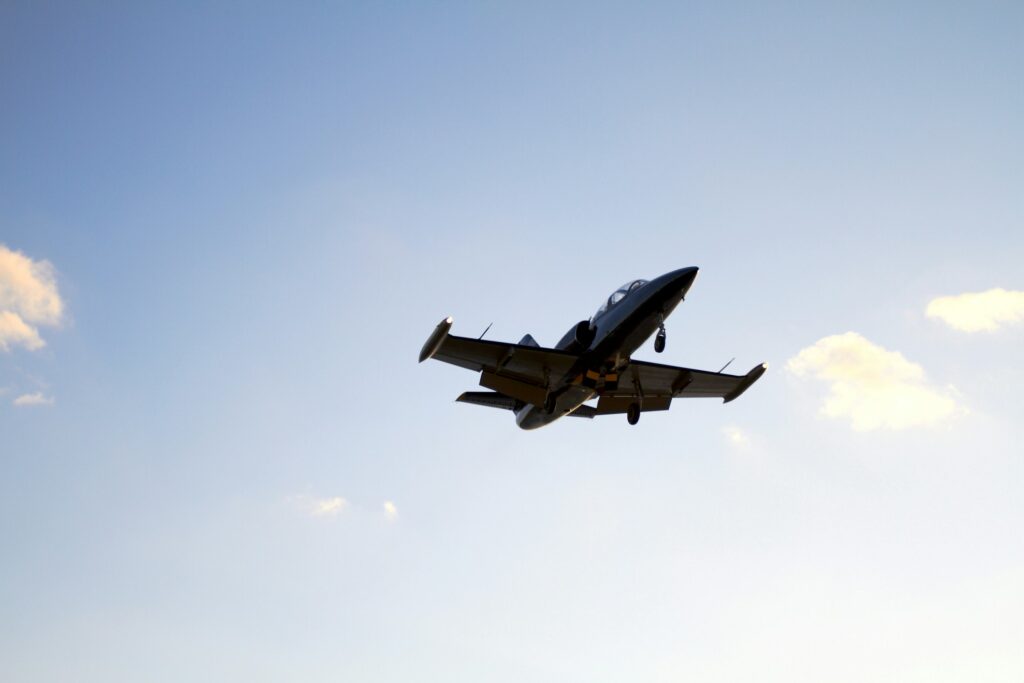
x=541, y=385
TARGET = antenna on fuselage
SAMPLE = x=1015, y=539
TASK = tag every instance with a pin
x=726, y=365
x=485, y=331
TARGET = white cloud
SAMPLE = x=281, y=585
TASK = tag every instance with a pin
x=390, y=511
x=16, y=332
x=28, y=299
x=319, y=507
x=736, y=437
x=979, y=311
x=36, y=399
x=329, y=506
x=871, y=386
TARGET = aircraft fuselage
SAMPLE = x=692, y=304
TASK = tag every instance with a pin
x=614, y=334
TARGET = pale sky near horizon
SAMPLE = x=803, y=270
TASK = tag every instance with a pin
x=226, y=231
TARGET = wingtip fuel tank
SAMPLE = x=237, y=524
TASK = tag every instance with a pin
x=748, y=379
x=435, y=339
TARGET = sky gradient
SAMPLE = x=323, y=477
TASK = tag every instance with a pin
x=226, y=231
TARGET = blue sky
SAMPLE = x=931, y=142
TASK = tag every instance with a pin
x=226, y=231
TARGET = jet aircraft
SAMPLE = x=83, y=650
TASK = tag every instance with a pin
x=593, y=359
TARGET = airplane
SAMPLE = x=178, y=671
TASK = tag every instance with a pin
x=594, y=358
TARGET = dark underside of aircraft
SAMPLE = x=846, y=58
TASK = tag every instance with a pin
x=593, y=359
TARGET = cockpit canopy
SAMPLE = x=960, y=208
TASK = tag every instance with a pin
x=618, y=295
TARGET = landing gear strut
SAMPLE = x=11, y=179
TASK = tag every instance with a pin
x=633, y=413
x=659, y=341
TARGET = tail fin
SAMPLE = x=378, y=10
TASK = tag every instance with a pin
x=528, y=340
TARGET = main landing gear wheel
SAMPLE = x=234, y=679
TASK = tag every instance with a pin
x=633, y=413
x=549, y=404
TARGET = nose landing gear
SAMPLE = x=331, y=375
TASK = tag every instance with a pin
x=659, y=340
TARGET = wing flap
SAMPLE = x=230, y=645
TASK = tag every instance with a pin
x=610, y=405
x=524, y=391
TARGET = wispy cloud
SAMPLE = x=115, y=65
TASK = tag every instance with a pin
x=35, y=399
x=736, y=437
x=390, y=511
x=872, y=387
x=329, y=506
x=28, y=299
x=979, y=311
x=313, y=506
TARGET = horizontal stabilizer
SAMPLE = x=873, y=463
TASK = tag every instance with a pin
x=491, y=399
x=494, y=399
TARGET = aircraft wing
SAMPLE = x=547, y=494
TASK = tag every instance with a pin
x=528, y=362
x=500, y=362
x=659, y=384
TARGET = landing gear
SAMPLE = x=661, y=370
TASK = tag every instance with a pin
x=549, y=404
x=633, y=413
x=659, y=341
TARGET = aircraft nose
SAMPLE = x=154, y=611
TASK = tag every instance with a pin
x=681, y=280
